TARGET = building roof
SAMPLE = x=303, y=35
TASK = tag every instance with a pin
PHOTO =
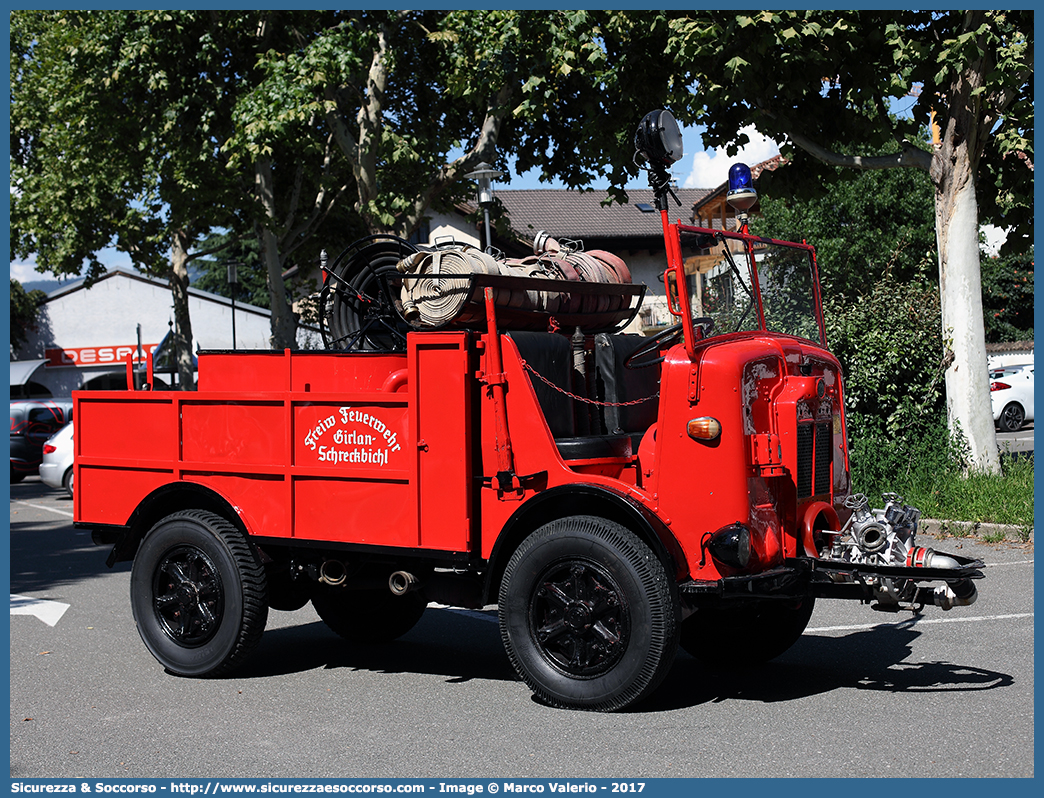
x=580, y=215
x=119, y=271
x=1009, y=346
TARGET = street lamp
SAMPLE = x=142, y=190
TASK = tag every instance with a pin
x=233, y=286
x=485, y=175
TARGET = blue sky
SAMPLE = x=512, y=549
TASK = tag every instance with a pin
x=698, y=168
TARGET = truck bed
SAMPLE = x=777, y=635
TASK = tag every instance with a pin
x=309, y=446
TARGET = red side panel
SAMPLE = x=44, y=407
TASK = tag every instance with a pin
x=351, y=471
x=236, y=434
x=125, y=447
x=355, y=511
x=321, y=447
x=126, y=425
x=110, y=495
x=442, y=417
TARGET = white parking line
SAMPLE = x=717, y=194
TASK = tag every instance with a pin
x=50, y=612
x=43, y=507
x=918, y=622
x=482, y=615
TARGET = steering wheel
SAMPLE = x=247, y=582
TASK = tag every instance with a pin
x=665, y=338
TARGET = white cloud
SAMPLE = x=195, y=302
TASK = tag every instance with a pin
x=24, y=271
x=995, y=238
x=710, y=168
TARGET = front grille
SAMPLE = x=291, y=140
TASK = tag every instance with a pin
x=824, y=455
x=814, y=455
x=805, y=450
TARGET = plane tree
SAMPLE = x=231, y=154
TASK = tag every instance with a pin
x=116, y=123
x=819, y=83
x=414, y=100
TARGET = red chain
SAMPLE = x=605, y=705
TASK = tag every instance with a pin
x=532, y=370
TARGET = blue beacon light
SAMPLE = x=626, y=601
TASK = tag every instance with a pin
x=742, y=195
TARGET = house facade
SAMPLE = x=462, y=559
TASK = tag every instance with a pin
x=84, y=335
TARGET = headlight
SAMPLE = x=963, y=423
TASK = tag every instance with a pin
x=731, y=545
x=659, y=139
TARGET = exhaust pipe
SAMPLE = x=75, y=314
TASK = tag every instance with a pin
x=961, y=593
x=332, y=572
x=402, y=582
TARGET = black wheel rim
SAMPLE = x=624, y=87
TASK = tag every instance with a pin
x=187, y=596
x=579, y=618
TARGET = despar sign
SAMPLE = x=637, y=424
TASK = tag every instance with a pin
x=367, y=436
x=92, y=355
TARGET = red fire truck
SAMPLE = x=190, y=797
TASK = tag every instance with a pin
x=614, y=495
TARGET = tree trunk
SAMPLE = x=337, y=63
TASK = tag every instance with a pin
x=968, y=407
x=284, y=326
x=179, y=284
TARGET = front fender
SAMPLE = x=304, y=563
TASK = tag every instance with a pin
x=582, y=499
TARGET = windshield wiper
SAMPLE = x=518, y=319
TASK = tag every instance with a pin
x=739, y=277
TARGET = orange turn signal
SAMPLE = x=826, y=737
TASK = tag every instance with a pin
x=704, y=428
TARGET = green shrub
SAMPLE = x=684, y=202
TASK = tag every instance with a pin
x=891, y=348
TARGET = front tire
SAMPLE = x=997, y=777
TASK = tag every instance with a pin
x=745, y=635
x=198, y=594
x=587, y=615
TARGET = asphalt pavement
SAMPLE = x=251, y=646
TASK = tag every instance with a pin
x=1016, y=444
x=862, y=694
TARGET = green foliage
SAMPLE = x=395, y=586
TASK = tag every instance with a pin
x=983, y=498
x=211, y=273
x=880, y=223
x=114, y=120
x=415, y=99
x=890, y=345
x=928, y=472
x=823, y=77
x=891, y=349
x=1007, y=297
x=25, y=307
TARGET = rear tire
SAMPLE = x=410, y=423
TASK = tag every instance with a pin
x=1012, y=417
x=587, y=615
x=745, y=635
x=67, y=481
x=368, y=616
x=198, y=594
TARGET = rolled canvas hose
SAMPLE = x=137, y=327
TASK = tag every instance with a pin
x=437, y=296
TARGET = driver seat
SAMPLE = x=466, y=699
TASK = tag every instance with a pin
x=617, y=383
x=550, y=354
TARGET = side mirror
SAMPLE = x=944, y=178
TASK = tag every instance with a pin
x=658, y=139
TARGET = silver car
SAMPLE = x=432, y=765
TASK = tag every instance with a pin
x=56, y=469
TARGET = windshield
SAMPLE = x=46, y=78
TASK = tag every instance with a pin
x=723, y=288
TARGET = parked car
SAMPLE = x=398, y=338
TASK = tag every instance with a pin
x=56, y=469
x=33, y=421
x=1011, y=393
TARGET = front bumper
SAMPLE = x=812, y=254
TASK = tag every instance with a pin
x=801, y=576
